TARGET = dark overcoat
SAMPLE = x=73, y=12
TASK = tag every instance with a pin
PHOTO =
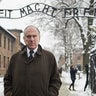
x=73, y=73
x=36, y=77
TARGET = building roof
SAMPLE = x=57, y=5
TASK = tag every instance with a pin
x=16, y=30
x=8, y=32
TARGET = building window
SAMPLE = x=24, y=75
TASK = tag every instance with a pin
x=4, y=41
x=0, y=61
x=78, y=58
x=12, y=46
x=4, y=62
x=8, y=60
x=8, y=44
x=0, y=39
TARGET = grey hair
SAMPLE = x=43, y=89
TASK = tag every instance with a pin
x=31, y=27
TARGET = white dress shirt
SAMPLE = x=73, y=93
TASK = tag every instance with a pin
x=28, y=51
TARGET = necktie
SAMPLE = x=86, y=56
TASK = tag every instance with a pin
x=31, y=52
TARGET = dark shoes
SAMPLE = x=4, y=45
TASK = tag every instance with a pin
x=69, y=88
x=74, y=90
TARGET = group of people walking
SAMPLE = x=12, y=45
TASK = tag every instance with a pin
x=73, y=72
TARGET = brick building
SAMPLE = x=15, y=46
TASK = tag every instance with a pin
x=77, y=58
x=9, y=44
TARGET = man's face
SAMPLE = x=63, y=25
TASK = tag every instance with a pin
x=31, y=37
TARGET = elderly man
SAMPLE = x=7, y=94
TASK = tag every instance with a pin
x=32, y=71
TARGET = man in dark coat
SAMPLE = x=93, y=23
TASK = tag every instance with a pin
x=73, y=72
x=35, y=76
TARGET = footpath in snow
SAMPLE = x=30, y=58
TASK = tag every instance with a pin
x=1, y=86
x=64, y=91
x=79, y=86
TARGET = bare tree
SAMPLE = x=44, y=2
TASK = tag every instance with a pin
x=83, y=24
x=62, y=27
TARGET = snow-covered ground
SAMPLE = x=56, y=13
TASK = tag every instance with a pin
x=79, y=84
x=1, y=86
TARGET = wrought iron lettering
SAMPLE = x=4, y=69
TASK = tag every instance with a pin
x=48, y=10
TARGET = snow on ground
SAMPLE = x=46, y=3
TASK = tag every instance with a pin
x=1, y=86
x=79, y=84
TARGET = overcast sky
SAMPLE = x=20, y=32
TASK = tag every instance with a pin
x=46, y=39
x=17, y=4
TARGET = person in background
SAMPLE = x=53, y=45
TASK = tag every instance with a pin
x=87, y=76
x=73, y=71
x=32, y=71
x=60, y=71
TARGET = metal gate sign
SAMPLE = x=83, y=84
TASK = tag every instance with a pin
x=47, y=9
